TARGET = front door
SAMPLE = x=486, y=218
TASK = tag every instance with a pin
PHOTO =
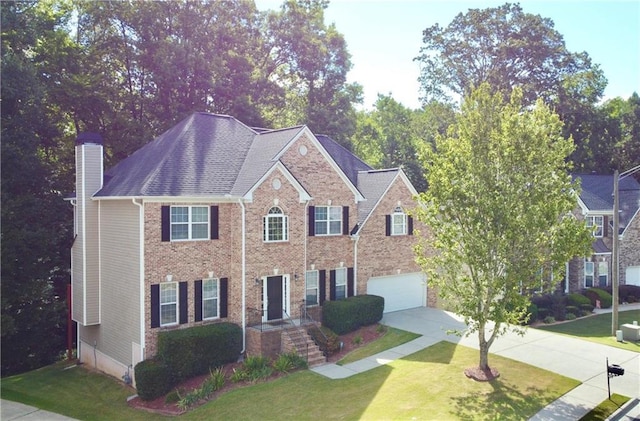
x=274, y=297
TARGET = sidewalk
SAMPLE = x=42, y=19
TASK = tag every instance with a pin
x=10, y=410
x=575, y=358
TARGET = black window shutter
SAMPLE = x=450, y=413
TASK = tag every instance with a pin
x=224, y=297
x=184, y=310
x=410, y=225
x=197, y=300
x=350, y=282
x=214, y=223
x=322, y=285
x=166, y=223
x=605, y=226
x=332, y=285
x=387, y=225
x=155, y=305
x=345, y=220
x=312, y=221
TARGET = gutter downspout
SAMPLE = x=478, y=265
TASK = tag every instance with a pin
x=355, y=239
x=244, y=279
x=141, y=257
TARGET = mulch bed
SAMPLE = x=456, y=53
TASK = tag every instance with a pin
x=367, y=334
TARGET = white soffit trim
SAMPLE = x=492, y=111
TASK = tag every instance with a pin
x=174, y=199
x=302, y=192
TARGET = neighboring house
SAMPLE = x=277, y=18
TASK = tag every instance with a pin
x=596, y=207
x=216, y=221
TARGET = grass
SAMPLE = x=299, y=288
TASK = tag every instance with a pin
x=427, y=384
x=392, y=338
x=597, y=329
x=606, y=408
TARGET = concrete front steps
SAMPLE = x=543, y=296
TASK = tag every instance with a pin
x=296, y=339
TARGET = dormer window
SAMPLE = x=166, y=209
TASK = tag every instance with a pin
x=597, y=224
x=275, y=226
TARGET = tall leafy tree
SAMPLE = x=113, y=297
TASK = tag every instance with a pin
x=311, y=61
x=499, y=207
x=35, y=220
x=502, y=46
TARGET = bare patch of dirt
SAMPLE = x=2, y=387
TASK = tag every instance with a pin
x=159, y=406
x=477, y=374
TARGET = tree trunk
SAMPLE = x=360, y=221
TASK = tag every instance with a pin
x=484, y=348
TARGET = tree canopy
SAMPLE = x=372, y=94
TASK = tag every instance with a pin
x=499, y=209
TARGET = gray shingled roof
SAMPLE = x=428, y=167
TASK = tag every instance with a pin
x=372, y=184
x=347, y=161
x=597, y=195
x=200, y=156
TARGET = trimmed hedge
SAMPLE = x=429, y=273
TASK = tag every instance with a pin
x=153, y=379
x=193, y=351
x=577, y=300
x=599, y=294
x=350, y=314
x=325, y=338
x=626, y=293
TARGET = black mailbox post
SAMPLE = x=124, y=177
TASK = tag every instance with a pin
x=613, y=370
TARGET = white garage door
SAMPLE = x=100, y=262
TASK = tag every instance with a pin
x=633, y=275
x=400, y=292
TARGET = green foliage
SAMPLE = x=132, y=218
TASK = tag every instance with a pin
x=577, y=300
x=344, y=316
x=253, y=368
x=289, y=362
x=172, y=397
x=570, y=316
x=626, y=293
x=572, y=310
x=597, y=294
x=499, y=207
x=193, y=351
x=153, y=379
x=549, y=320
x=533, y=313
x=325, y=338
x=214, y=382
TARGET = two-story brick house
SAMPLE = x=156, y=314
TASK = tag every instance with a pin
x=595, y=205
x=216, y=221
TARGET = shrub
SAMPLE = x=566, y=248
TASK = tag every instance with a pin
x=253, y=369
x=570, y=316
x=381, y=329
x=549, y=320
x=572, y=310
x=587, y=308
x=599, y=294
x=172, y=397
x=153, y=379
x=194, y=351
x=543, y=312
x=626, y=293
x=288, y=362
x=325, y=338
x=577, y=300
x=357, y=340
x=350, y=314
x=532, y=310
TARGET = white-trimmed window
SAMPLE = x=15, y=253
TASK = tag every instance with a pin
x=588, y=274
x=210, y=299
x=398, y=222
x=328, y=220
x=168, y=303
x=276, y=226
x=189, y=223
x=341, y=283
x=597, y=224
x=603, y=274
x=312, y=281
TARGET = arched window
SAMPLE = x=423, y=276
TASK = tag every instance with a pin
x=399, y=222
x=275, y=226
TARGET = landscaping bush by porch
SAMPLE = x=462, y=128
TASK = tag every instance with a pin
x=601, y=295
x=348, y=315
x=153, y=379
x=193, y=351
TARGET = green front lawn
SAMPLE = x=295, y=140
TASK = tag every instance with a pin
x=429, y=384
x=597, y=329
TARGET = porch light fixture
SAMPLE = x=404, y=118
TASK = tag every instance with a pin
x=313, y=266
x=169, y=278
x=295, y=276
x=257, y=281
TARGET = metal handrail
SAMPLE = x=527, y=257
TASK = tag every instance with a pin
x=308, y=317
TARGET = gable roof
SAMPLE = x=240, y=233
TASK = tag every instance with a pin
x=212, y=155
x=597, y=196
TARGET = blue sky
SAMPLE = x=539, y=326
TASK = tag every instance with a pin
x=384, y=36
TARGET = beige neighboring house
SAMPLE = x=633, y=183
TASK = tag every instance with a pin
x=595, y=205
x=217, y=221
